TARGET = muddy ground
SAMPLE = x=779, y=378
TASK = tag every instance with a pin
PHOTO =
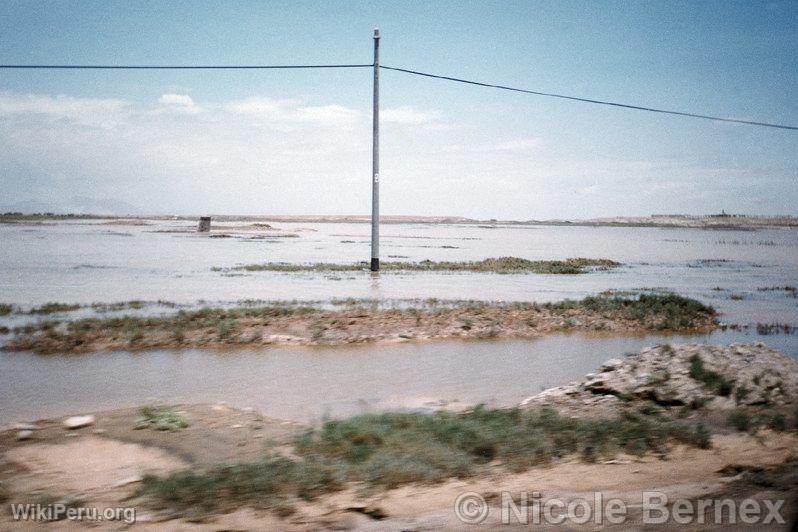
x=102, y=464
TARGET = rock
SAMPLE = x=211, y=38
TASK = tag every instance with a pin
x=76, y=422
x=753, y=375
x=611, y=364
x=24, y=435
x=25, y=426
x=127, y=481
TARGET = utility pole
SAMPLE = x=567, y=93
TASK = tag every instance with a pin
x=375, y=160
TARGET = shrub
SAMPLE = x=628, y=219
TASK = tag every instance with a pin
x=740, y=420
x=711, y=379
x=777, y=422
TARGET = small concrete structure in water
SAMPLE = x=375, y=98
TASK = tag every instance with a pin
x=204, y=224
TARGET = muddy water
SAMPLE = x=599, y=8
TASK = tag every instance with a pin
x=306, y=384
x=82, y=262
x=92, y=262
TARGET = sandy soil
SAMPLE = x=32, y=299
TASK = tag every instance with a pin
x=101, y=465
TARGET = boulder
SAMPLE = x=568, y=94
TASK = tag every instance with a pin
x=76, y=422
x=665, y=374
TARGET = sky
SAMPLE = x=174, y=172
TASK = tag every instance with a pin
x=299, y=142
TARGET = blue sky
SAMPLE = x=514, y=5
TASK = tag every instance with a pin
x=298, y=142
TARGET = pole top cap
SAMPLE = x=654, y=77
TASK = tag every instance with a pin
x=376, y=33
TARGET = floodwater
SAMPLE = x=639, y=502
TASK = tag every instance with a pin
x=85, y=262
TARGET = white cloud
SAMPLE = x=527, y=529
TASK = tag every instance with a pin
x=261, y=108
x=522, y=144
x=84, y=111
x=176, y=99
x=179, y=102
x=283, y=156
x=406, y=115
x=328, y=114
x=268, y=111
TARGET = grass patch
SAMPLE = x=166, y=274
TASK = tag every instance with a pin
x=506, y=265
x=711, y=379
x=160, y=417
x=392, y=449
x=670, y=311
x=250, y=323
x=51, y=308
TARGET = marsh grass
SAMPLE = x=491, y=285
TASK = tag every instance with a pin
x=160, y=417
x=506, y=265
x=52, y=308
x=673, y=311
x=240, y=325
x=392, y=449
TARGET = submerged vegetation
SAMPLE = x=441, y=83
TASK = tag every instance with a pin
x=360, y=321
x=391, y=449
x=492, y=265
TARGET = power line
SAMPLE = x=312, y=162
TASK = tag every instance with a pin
x=176, y=67
x=404, y=70
x=589, y=100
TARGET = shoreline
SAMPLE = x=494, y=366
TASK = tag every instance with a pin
x=712, y=221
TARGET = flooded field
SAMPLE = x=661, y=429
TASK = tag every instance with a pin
x=306, y=384
x=743, y=274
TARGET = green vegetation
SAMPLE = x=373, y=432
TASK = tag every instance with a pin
x=51, y=308
x=741, y=393
x=266, y=483
x=671, y=311
x=160, y=417
x=6, y=309
x=744, y=421
x=392, y=449
x=493, y=265
x=777, y=422
x=250, y=323
x=711, y=379
x=740, y=420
